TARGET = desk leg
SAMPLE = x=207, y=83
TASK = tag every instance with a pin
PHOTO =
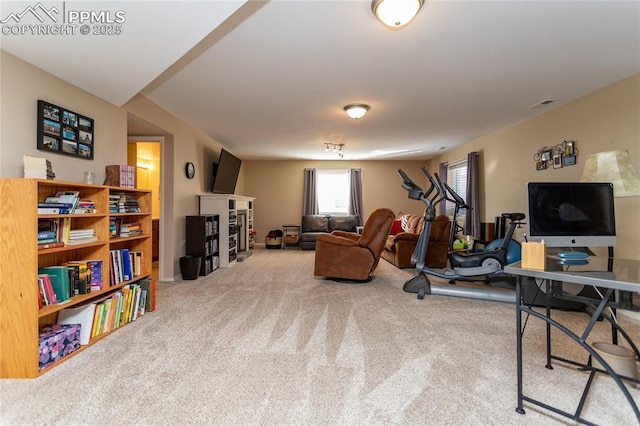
x=519, y=332
x=547, y=284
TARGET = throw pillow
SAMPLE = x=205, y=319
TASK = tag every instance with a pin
x=405, y=223
x=396, y=228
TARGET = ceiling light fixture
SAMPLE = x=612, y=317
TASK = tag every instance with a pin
x=356, y=111
x=395, y=14
x=336, y=147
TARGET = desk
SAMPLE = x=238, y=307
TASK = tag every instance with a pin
x=609, y=274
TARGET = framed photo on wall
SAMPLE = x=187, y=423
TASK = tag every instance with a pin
x=557, y=161
x=64, y=132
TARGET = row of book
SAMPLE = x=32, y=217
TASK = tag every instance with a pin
x=111, y=312
x=118, y=228
x=58, y=233
x=64, y=202
x=121, y=202
x=125, y=265
x=58, y=283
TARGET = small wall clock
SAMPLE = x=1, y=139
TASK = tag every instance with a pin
x=189, y=170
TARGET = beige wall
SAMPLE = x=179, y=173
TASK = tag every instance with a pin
x=604, y=120
x=277, y=186
x=22, y=85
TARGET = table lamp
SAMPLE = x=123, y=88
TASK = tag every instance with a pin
x=614, y=167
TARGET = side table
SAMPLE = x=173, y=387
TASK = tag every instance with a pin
x=291, y=236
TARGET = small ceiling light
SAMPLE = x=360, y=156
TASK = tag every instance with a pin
x=336, y=147
x=395, y=14
x=356, y=111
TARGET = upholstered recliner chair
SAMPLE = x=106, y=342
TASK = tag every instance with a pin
x=350, y=256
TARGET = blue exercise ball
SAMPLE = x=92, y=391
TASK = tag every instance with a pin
x=514, y=251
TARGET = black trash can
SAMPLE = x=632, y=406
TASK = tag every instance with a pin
x=190, y=267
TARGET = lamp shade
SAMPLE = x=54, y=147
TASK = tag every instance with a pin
x=396, y=13
x=614, y=167
x=356, y=111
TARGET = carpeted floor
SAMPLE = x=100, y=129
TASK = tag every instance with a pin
x=264, y=342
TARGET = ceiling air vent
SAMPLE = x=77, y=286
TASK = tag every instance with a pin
x=542, y=103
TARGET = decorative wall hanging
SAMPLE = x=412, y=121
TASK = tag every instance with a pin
x=563, y=154
x=64, y=132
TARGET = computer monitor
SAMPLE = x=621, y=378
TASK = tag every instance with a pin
x=571, y=214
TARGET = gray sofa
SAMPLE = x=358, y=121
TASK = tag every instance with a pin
x=313, y=225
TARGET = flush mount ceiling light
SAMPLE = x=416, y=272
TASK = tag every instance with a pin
x=356, y=111
x=396, y=14
x=335, y=147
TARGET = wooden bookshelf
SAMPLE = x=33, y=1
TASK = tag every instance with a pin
x=20, y=258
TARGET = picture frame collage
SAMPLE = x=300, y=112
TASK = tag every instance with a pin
x=558, y=156
x=63, y=131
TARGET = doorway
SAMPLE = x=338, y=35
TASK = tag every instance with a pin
x=144, y=154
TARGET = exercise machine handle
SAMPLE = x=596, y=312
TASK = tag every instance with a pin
x=415, y=192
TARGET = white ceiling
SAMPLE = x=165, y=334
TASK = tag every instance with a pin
x=269, y=79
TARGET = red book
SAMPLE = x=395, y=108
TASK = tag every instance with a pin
x=50, y=245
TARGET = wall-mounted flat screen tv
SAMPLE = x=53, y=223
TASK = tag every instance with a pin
x=225, y=173
x=572, y=214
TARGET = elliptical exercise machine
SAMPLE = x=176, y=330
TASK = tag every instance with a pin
x=463, y=262
x=484, y=266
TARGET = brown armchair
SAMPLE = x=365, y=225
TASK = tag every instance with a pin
x=399, y=247
x=351, y=256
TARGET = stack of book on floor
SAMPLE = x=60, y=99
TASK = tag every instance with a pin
x=37, y=167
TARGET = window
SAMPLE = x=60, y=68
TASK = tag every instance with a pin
x=457, y=180
x=333, y=191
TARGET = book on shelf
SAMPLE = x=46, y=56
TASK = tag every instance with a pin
x=120, y=175
x=81, y=236
x=82, y=315
x=126, y=265
x=95, y=266
x=44, y=281
x=80, y=275
x=142, y=306
x=42, y=246
x=115, y=224
x=65, y=229
x=45, y=235
x=81, y=233
x=85, y=206
x=59, y=276
x=96, y=320
x=62, y=199
x=130, y=229
x=52, y=210
x=149, y=286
